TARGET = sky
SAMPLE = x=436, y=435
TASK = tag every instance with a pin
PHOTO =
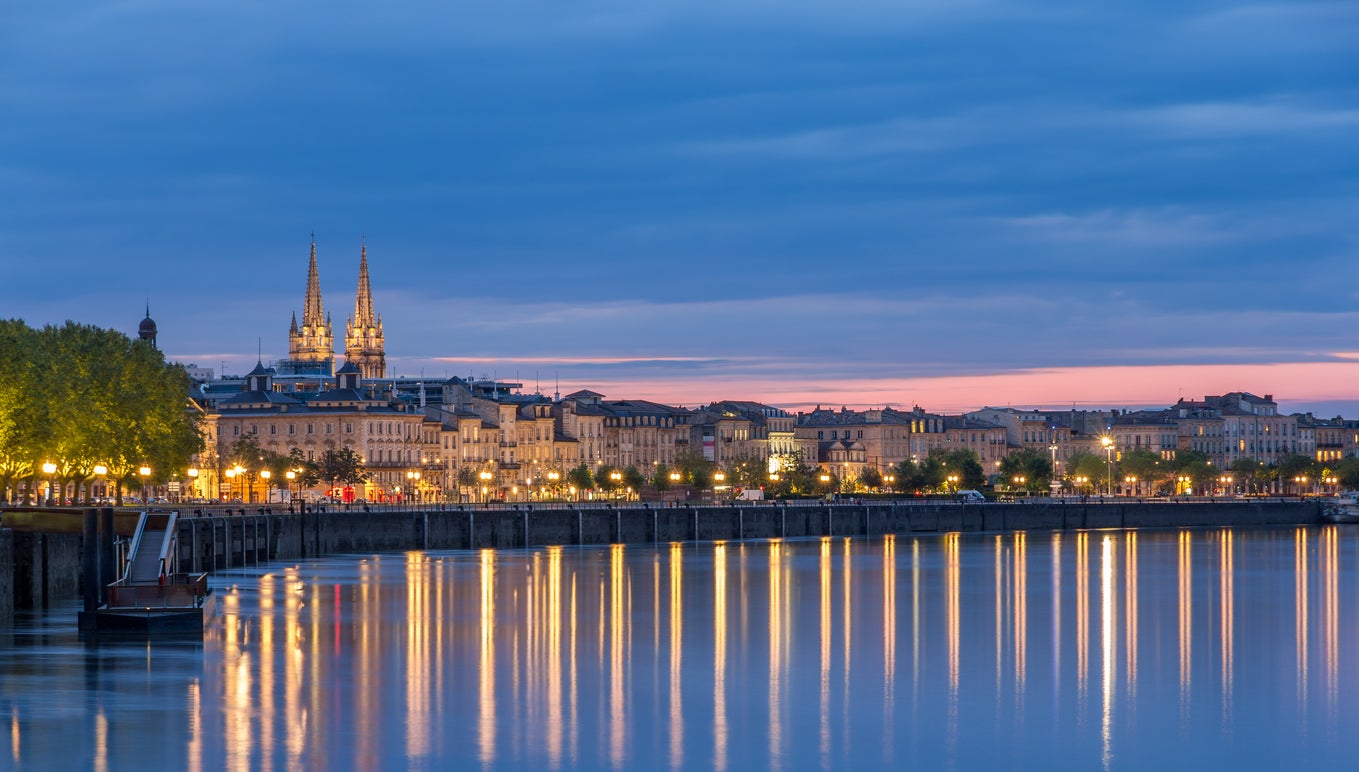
x=946, y=204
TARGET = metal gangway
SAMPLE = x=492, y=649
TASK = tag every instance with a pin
x=152, y=549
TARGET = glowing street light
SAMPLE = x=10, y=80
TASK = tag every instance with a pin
x=49, y=469
x=1108, y=443
x=144, y=472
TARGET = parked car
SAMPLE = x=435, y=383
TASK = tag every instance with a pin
x=971, y=497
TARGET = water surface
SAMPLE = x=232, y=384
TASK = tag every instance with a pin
x=1079, y=650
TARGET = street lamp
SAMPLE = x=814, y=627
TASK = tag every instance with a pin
x=1224, y=483
x=231, y=479
x=485, y=487
x=1301, y=480
x=616, y=478
x=890, y=480
x=1108, y=443
x=1019, y=480
x=953, y=482
x=290, y=476
x=1131, y=481
x=265, y=475
x=144, y=472
x=49, y=469
x=1185, y=482
x=414, y=478
x=99, y=471
x=193, y=483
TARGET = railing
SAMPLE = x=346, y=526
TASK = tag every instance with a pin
x=178, y=591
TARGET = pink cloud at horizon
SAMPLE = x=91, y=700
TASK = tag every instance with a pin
x=1083, y=387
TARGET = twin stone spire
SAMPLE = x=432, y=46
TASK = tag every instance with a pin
x=311, y=345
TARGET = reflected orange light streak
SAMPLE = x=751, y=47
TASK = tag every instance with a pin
x=889, y=640
x=1056, y=615
x=1021, y=614
x=1082, y=616
x=1227, y=617
x=618, y=622
x=826, y=633
x=486, y=725
x=676, y=655
x=1107, y=635
x=1300, y=602
x=720, y=656
x=952, y=631
x=1186, y=611
x=1330, y=603
x=1130, y=609
x=776, y=620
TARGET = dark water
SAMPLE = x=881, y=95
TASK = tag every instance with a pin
x=1196, y=649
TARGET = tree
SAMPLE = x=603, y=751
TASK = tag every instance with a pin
x=870, y=478
x=694, y=469
x=1032, y=465
x=660, y=480
x=77, y=396
x=467, y=478
x=634, y=479
x=604, y=479
x=1293, y=469
x=1087, y=472
x=1248, y=473
x=1145, y=466
x=341, y=466
x=1193, y=470
x=581, y=479
x=962, y=464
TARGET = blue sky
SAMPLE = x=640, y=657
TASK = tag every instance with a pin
x=697, y=200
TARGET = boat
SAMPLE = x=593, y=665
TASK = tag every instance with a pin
x=1343, y=508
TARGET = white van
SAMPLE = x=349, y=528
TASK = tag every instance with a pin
x=971, y=497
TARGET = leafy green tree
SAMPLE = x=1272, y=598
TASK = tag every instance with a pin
x=1086, y=472
x=77, y=396
x=746, y=471
x=960, y=463
x=1249, y=473
x=341, y=465
x=1194, y=468
x=1297, y=466
x=307, y=471
x=1146, y=466
x=660, y=480
x=694, y=469
x=581, y=479
x=870, y=478
x=467, y=479
x=634, y=479
x=604, y=479
x=1347, y=469
x=1031, y=464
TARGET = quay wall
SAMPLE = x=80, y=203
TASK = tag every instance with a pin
x=38, y=569
x=213, y=543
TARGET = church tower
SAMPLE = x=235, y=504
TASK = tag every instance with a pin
x=363, y=346
x=311, y=346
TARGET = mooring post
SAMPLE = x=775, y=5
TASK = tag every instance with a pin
x=106, y=567
x=90, y=561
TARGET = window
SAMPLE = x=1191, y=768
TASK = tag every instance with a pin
x=292, y=428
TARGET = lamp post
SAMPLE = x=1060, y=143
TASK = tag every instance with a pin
x=1131, y=481
x=1185, y=482
x=290, y=476
x=265, y=475
x=891, y=481
x=193, y=484
x=1108, y=443
x=616, y=478
x=1019, y=481
x=1224, y=484
x=953, y=483
x=231, y=479
x=99, y=471
x=49, y=469
x=144, y=472
x=485, y=485
x=414, y=478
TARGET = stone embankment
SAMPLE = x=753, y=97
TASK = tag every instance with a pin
x=38, y=569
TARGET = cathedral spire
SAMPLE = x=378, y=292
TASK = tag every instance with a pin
x=363, y=334
x=311, y=345
x=312, y=315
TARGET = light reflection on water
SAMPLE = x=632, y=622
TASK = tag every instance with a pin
x=1116, y=650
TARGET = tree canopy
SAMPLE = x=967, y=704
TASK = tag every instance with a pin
x=78, y=396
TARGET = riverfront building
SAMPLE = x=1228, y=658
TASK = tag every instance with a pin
x=460, y=438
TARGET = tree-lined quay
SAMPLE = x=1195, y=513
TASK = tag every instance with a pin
x=92, y=416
